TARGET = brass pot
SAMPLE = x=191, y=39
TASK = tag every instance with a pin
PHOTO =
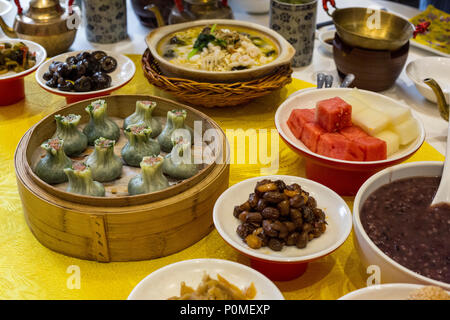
x=46, y=23
x=371, y=29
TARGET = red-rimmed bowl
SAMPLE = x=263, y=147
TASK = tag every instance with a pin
x=291, y=262
x=343, y=176
x=121, y=76
x=12, y=85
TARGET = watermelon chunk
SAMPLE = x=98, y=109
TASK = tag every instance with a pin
x=353, y=133
x=298, y=119
x=310, y=135
x=335, y=145
x=333, y=114
x=373, y=148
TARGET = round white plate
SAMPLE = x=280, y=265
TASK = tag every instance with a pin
x=122, y=75
x=338, y=217
x=41, y=55
x=165, y=282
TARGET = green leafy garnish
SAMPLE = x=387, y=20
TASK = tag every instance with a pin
x=202, y=41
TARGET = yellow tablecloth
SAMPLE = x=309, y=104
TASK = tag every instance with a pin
x=30, y=271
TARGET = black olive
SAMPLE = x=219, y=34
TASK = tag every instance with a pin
x=81, y=68
x=67, y=85
x=63, y=70
x=108, y=64
x=83, y=55
x=51, y=83
x=47, y=76
x=83, y=84
x=98, y=55
x=54, y=65
x=71, y=60
x=101, y=80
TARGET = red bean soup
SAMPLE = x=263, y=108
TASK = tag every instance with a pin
x=398, y=219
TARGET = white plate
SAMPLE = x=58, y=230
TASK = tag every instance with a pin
x=165, y=282
x=307, y=99
x=429, y=49
x=391, y=291
x=437, y=68
x=123, y=74
x=338, y=217
x=41, y=55
x=4, y=7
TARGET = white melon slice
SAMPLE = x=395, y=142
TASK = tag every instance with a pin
x=357, y=104
x=395, y=113
x=371, y=121
x=407, y=131
x=392, y=141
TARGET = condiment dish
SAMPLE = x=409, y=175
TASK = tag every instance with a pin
x=343, y=176
x=165, y=282
x=370, y=254
x=121, y=76
x=290, y=262
x=12, y=86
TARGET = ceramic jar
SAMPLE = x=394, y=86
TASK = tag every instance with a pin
x=105, y=20
x=297, y=24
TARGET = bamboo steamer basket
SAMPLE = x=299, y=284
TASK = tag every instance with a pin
x=122, y=228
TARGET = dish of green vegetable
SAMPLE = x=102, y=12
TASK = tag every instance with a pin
x=15, y=57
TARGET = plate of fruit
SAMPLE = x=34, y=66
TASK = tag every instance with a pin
x=347, y=135
x=81, y=75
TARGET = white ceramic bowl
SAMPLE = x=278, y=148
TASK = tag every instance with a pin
x=40, y=52
x=370, y=254
x=255, y=6
x=391, y=291
x=165, y=282
x=120, y=77
x=437, y=68
x=343, y=176
x=326, y=35
x=338, y=217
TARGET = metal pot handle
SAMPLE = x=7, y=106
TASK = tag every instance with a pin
x=325, y=6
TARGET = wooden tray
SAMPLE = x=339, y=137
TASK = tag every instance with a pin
x=119, y=228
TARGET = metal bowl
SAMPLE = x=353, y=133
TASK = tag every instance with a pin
x=372, y=29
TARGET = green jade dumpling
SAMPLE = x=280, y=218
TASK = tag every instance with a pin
x=75, y=142
x=175, y=120
x=81, y=182
x=143, y=115
x=51, y=167
x=104, y=164
x=139, y=145
x=151, y=177
x=179, y=163
x=99, y=124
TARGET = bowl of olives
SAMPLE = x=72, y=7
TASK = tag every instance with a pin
x=81, y=75
x=282, y=223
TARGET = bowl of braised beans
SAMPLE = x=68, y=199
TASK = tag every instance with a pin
x=282, y=223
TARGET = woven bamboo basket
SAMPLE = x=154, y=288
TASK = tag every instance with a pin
x=215, y=94
x=122, y=228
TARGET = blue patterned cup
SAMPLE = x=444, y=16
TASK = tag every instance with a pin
x=295, y=20
x=105, y=20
